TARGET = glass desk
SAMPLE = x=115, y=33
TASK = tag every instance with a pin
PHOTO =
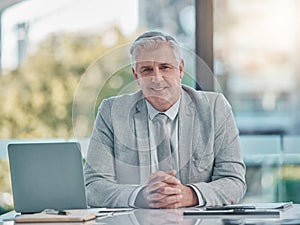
x=174, y=217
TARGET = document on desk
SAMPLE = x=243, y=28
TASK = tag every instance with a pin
x=275, y=205
x=233, y=212
x=73, y=215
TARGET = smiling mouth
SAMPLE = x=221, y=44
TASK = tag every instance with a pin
x=158, y=88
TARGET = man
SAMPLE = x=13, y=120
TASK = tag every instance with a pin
x=166, y=146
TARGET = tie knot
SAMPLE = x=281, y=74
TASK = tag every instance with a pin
x=161, y=117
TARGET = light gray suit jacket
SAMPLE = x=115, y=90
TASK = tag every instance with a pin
x=210, y=158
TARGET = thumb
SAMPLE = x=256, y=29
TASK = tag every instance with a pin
x=172, y=173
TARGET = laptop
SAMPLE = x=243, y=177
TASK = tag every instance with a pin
x=46, y=176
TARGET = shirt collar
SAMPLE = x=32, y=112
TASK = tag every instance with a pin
x=171, y=112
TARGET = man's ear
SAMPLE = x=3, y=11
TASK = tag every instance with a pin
x=181, y=68
x=135, y=75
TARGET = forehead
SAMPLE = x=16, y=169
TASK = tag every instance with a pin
x=163, y=54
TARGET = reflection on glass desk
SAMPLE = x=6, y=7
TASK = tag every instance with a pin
x=175, y=217
x=159, y=216
x=149, y=217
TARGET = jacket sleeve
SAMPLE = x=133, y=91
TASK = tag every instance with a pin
x=227, y=185
x=100, y=178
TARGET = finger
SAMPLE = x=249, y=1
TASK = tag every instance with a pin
x=158, y=176
x=163, y=177
x=169, y=201
x=172, y=173
x=163, y=188
x=172, y=180
x=154, y=187
x=163, y=200
x=157, y=196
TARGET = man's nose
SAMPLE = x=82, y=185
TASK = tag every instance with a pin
x=157, y=75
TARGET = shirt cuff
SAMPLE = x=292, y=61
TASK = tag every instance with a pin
x=201, y=201
x=133, y=196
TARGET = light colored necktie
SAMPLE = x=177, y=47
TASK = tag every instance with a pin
x=163, y=143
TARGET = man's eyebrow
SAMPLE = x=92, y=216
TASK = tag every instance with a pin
x=159, y=64
x=167, y=64
x=145, y=67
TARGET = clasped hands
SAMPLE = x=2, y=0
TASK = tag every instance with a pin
x=164, y=190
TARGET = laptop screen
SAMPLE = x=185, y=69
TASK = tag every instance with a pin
x=46, y=176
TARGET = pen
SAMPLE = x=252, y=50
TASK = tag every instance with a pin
x=101, y=216
x=55, y=212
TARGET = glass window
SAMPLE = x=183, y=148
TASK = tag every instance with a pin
x=256, y=45
x=256, y=62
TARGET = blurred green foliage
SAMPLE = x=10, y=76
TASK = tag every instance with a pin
x=4, y=181
x=5, y=187
x=36, y=99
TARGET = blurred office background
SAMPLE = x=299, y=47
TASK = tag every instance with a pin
x=49, y=48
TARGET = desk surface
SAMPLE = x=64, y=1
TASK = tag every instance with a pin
x=161, y=216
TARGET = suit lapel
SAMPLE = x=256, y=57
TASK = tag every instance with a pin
x=195, y=129
x=142, y=140
x=185, y=129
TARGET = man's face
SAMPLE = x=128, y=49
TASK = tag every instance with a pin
x=159, y=76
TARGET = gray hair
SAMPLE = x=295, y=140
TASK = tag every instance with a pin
x=152, y=40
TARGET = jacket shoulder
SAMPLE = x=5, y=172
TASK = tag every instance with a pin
x=122, y=101
x=206, y=96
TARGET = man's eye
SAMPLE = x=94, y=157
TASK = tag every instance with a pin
x=165, y=67
x=146, y=70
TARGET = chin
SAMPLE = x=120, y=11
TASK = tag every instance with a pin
x=160, y=103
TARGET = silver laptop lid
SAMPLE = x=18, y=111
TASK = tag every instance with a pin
x=46, y=176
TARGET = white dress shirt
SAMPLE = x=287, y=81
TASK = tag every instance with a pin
x=172, y=125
